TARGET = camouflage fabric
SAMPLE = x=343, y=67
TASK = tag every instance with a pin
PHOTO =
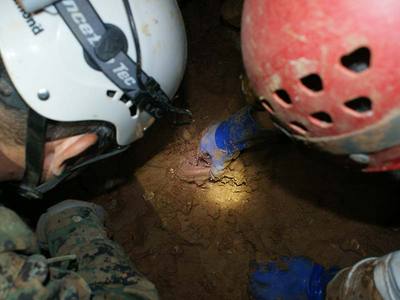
x=100, y=269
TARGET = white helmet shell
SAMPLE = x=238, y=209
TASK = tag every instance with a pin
x=42, y=56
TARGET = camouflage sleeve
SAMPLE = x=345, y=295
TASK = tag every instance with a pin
x=24, y=273
x=103, y=264
x=102, y=269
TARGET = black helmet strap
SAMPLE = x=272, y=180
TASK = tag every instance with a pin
x=34, y=154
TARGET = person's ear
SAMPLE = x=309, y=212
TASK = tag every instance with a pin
x=59, y=151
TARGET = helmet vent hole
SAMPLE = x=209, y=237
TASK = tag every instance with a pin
x=124, y=98
x=111, y=93
x=133, y=110
x=313, y=82
x=358, y=60
x=283, y=97
x=267, y=106
x=322, y=119
x=128, y=101
x=298, y=127
x=360, y=105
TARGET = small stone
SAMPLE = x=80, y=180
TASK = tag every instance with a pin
x=186, y=208
x=177, y=250
x=186, y=135
x=113, y=204
x=149, y=196
x=77, y=219
x=214, y=212
x=351, y=245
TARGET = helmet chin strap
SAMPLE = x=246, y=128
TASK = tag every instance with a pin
x=34, y=154
x=31, y=186
x=32, y=191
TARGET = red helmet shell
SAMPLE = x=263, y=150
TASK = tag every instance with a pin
x=324, y=68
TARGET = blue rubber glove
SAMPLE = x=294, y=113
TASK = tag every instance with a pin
x=224, y=141
x=292, y=278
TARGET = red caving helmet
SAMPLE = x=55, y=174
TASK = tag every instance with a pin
x=329, y=73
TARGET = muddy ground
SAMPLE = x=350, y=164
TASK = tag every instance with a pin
x=280, y=199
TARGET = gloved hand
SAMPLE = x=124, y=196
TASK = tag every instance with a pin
x=290, y=278
x=223, y=142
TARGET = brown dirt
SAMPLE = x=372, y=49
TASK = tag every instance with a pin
x=278, y=199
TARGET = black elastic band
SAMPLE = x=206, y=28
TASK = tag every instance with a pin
x=34, y=154
x=135, y=36
x=53, y=182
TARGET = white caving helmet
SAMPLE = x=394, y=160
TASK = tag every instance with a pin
x=117, y=61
